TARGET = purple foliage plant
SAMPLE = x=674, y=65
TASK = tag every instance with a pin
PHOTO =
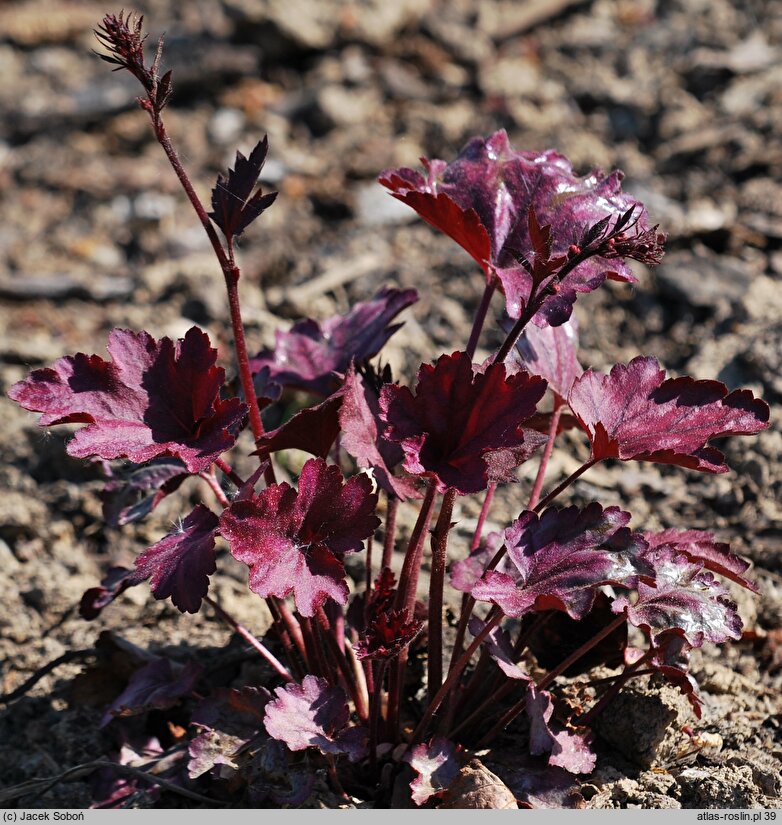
x=349, y=689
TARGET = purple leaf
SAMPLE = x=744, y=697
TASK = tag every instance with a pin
x=388, y=633
x=457, y=420
x=315, y=715
x=181, y=563
x=567, y=749
x=155, y=686
x=562, y=557
x=313, y=430
x=700, y=546
x=672, y=659
x=229, y=719
x=311, y=354
x=294, y=541
x=234, y=205
x=685, y=601
x=551, y=352
x=437, y=767
x=153, y=398
x=112, y=585
x=500, y=648
x=635, y=413
x=362, y=430
x=498, y=204
x=466, y=573
x=544, y=787
x=121, y=502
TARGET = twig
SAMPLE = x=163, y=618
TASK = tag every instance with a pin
x=68, y=656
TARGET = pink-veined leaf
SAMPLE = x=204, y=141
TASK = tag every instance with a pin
x=635, y=413
x=460, y=424
x=685, y=600
x=437, y=766
x=561, y=557
x=315, y=715
x=312, y=354
x=180, y=564
x=294, y=541
x=567, y=749
x=153, y=398
x=234, y=206
x=499, y=205
x=701, y=546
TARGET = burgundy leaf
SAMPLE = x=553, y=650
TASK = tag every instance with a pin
x=685, y=601
x=267, y=390
x=388, y=633
x=312, y=353
x=672, y=659
x=315, y=715
x=544, y=787
x=294, y=541
x=155, y=686
x=362, y=428
x=228, y=720
x=562, y=557
x=466, y=573
x=180, y=564
x=499, y=646
x=457, y=419
x=234, y=205
x=313, y=430
x=437, y=767
x=153, y=398
x=130, y=498
x=635, y=413
x=114, y=583
x=491, y=192
x=700, y=546
x=567, y=748
x=551, y=352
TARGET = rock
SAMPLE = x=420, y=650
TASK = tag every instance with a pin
x=225, y=126
x=644, y=723
x=730, y=787
x=376, y=207
x=64, y=287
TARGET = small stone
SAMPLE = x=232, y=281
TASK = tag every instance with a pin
x=226, y=126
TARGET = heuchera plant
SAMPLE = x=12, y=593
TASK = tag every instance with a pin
x=347, y=656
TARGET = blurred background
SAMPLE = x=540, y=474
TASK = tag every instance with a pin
x=685, y=96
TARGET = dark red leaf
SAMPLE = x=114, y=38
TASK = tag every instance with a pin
x=437, y=767
x=490, y=191
x=685, y=601
x=500, y=648
x=700, y=546
x=294, y=541
x=233, y=204
x=635, y=413
x=362, y=428
x=115, y=582
x=568, y=749
x=466, y=573
x=180, y=564
x=562, y=557
x=153, y=398
x=388, y=633
x=539, y=786
x=155, y=686
x=315, y=715
x=312, y=354
x=457, y=419
x=313, y=430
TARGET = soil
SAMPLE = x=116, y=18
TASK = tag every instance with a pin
x=683, y=95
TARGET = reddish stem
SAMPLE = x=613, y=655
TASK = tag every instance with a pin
x=549, y=448
x=392, y=506
x=436, y=584
x=480, y=316
x=214, y=486
x=242, y=631
x=329, y=636
x=375, y=702
x=408, y=578
x=229, y=471
x=482, y=516
x=564, y=485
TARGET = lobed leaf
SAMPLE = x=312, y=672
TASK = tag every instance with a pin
x=566, y=748
x=315, y=715
x=153, y=398
x=504, y=206
x=312, y=354
x=461, y=428
x=294, y=541
x=437, y=767
x=180, y=564
x=500, y=648
x=635, y=413
x=551, y=352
